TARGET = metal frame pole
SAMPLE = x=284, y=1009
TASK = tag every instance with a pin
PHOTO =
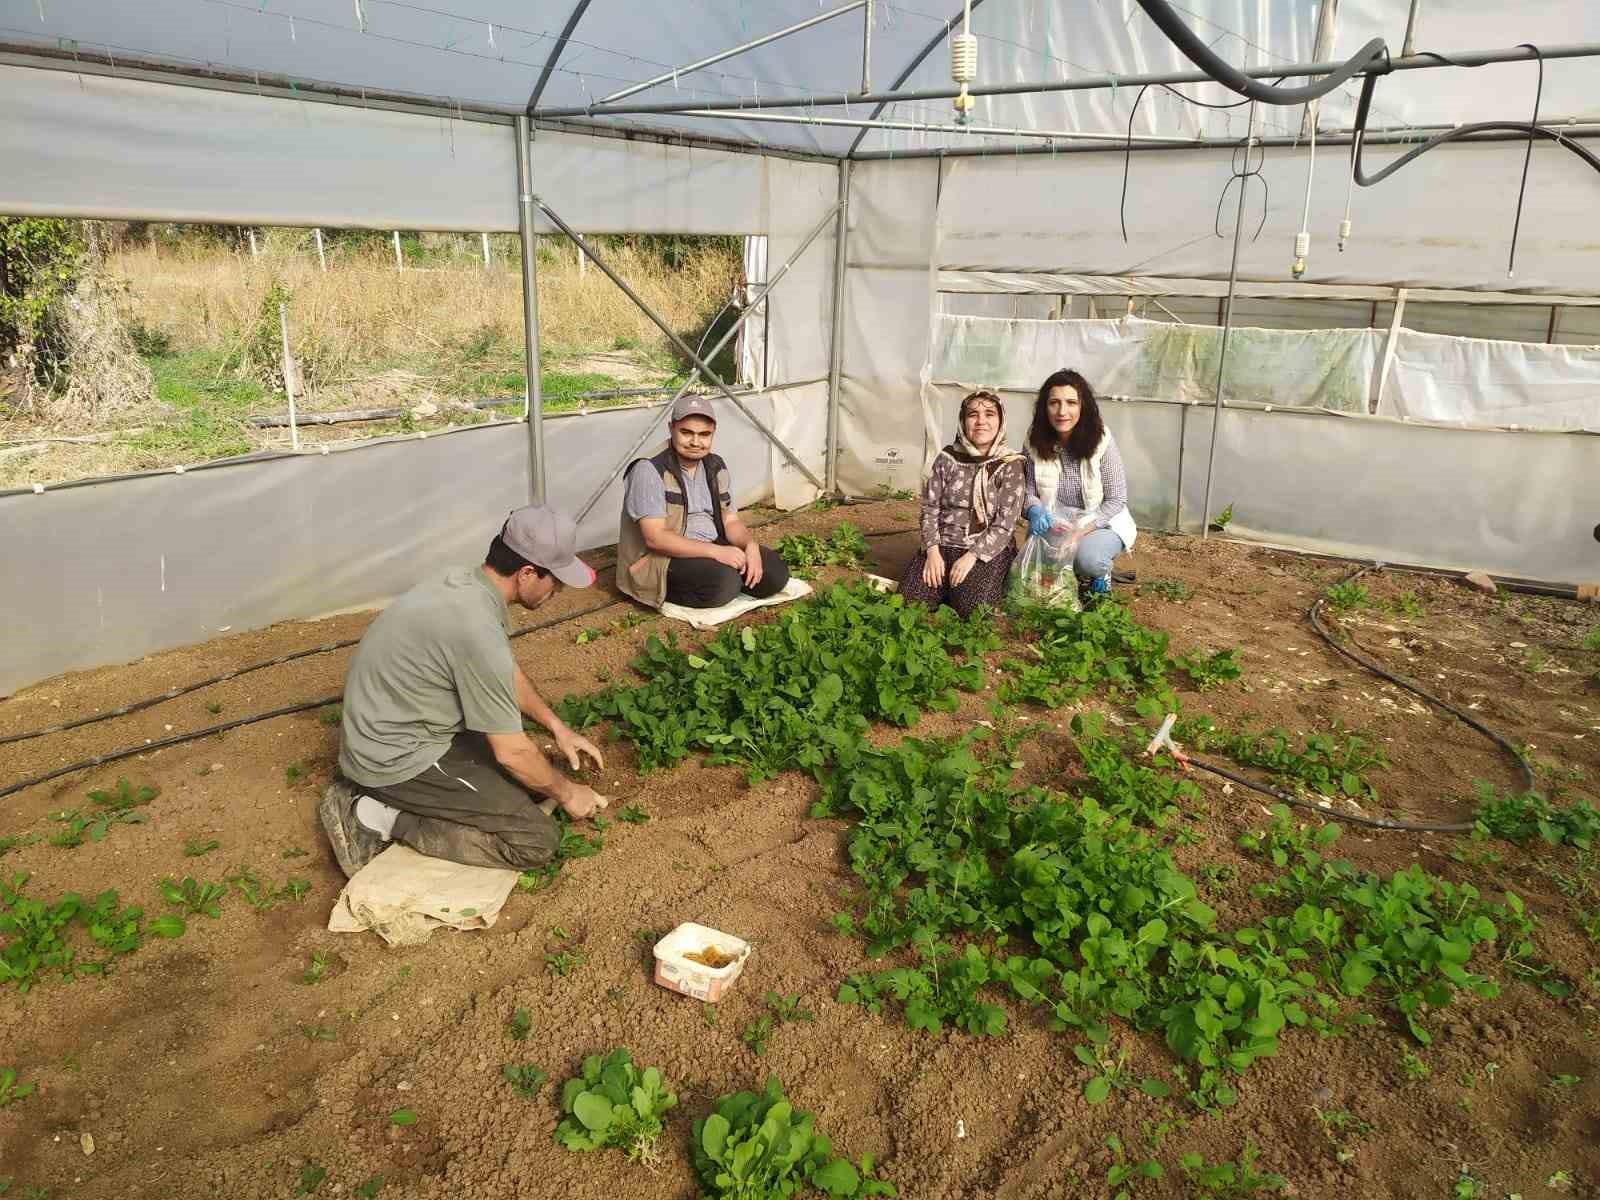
x=757, y=302
x=1227, y=329
x=741, y=106
x=530, y=310
x=836, y=348
x=1409, y=45
x=678, y=72
x=866, y=49
x=1116, y=140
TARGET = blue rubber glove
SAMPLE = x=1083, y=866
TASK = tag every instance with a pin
x=1038, y=520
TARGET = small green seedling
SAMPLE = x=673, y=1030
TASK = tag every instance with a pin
x=292, y=775
x=194, y=848
x=311, y=1178
x=564, y=963
x=1172, y=590
x=331, y=714
x=1226, y=1180
x=1344, y=597
x=294, y=852
x=317, y=969
x=525, y=1081
x=1223, y=519
x=319, y=1033
x=1564, y=1083
x=116, y=806
x=10, y=1090
x=520, y=1025
x=783, y=1010
x=1469, y=1186
x=614, y=1104
x=1123, y=1171
x=1414, y=1067
x=403, y=1117
x=632, y=814
x=198, y=899
x=368, y=1189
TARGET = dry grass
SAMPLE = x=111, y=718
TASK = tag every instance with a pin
x=362, y=311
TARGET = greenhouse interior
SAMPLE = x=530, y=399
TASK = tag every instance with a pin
x=1268, y=865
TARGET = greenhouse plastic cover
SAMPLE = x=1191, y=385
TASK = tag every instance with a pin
x=493, y=52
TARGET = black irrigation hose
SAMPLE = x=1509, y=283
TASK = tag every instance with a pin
x=1374, y=56
x=289, y=710
x=1368, y=664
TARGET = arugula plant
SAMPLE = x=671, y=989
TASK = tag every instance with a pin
x=198, y=899
x=10, y=1090
x=524, y=1080
x=805, y=552
x=1230, y=1180
x=614, y=1104
x=756, y=1146
x=113, y=806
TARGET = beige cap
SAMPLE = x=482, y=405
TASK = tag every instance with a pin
x=547, y=539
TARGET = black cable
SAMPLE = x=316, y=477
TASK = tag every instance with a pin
x=1243, y=176
x=1357, y=146
x=1374, y=56
x=1527, y=161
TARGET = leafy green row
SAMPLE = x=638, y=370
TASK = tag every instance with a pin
x=37, y=932
x=804, y=552
x=757, y=695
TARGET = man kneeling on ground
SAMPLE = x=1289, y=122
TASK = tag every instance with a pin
x=681, y=538
x=432, y=745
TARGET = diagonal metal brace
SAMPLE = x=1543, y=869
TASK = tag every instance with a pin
x=699, y=363
x=749, y=310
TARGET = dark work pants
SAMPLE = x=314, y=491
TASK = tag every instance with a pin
x=706, y=583
x=984, y=584
x=465, y=809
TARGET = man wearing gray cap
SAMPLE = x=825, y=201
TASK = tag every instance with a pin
x=432, y=747
x=681, y=539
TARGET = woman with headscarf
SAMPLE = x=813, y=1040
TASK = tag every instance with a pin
x=970, y=505
x=1075, y=476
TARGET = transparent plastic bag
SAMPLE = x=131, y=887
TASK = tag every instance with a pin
x=1042, y=573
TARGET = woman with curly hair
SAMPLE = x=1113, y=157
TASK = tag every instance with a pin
x=1074, y=469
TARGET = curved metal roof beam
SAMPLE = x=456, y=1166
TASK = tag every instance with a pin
x=561, y=45
x=900, y=80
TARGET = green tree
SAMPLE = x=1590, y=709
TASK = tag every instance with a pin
x=39, y=262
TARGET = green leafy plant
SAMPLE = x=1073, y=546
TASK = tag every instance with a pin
x=782, y=1010
x=1335, y=763
x=1469, y=1186
x=403, y=1117
x=756, y=1146
x=11, y=1090
x=612, y=1103
x=1409, y=604
x=1125, y=1172
x=114, y=806
x=331, y=714
x=1414, y=1066
x=261, y=895
x=1591, y=640
x=1346, y=597
x=1339, y=1127
x=316, y=968
x=525, y=1080
x=1230, y=1179
x=294, y=774
x=319, y=1033
x=1174, y=590
x=12, y=841
x=198, y=899
x=369, y=1188
x=632, y=814
x=564, y=962
x=1519, y=818
x=1211, y=670
x=805, y=552
x=312, y=1177
x=1223, y=519
x=520, y=1025
x=196, y=849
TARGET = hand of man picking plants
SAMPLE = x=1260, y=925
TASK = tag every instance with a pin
x=575, y=746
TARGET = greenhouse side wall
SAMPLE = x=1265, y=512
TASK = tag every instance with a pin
x=109, y=571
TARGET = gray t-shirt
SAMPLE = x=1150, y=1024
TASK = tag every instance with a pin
x=647, y=497
x=436, y=662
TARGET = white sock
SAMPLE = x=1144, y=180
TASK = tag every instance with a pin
x=376, y=816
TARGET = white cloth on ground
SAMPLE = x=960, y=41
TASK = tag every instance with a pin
x=710, y=618
x=403, y=896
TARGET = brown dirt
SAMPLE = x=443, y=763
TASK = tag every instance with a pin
x=189, y=1068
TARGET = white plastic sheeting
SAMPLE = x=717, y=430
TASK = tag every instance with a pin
x=132, y=149
x=150, y=568
x=1478, y=382
x=1326, y=368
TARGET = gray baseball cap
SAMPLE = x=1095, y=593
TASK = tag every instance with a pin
x=693, y=406
x=546, y=538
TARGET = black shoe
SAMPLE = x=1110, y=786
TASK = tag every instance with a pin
x=354, y=845
x=1128, y=576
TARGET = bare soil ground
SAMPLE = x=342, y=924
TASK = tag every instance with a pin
x=190, y=1069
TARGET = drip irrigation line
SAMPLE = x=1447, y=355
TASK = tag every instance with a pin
x=1414, y=688
x=1312, y=614
x=287, y=710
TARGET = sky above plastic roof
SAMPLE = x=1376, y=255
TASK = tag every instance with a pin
x=493, y=51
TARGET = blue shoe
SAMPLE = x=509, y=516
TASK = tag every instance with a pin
x=1100, y=585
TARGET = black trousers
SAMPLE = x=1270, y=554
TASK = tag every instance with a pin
x=706, y=583
x=465, y=809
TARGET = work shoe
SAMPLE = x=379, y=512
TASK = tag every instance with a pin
x=1100, y=585
x=354, y=845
